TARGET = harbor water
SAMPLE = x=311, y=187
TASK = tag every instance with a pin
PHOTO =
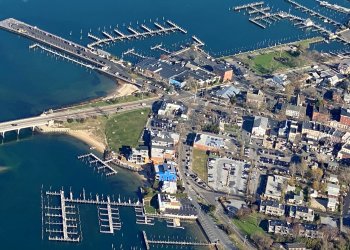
x=32, y=82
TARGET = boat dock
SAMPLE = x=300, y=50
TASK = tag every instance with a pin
x=61, y=221
x=51, y=42
x=149, y=242
x=134, y=53
x=261, y=15
x=135, y=34
x=98, y=164
x=335, y=7
x=109, y=218
x=161, y=48
x=314, y=13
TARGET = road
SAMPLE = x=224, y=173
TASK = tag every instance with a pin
x=213, y=232
x=72, y=113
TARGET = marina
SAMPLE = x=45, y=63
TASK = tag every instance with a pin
x=134, y=34
x=335, y=7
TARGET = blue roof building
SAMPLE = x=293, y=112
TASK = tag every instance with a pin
x=165, y=172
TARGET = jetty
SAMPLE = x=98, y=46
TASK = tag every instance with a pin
x=98, y=164
x=135, y=34
x=49, y=42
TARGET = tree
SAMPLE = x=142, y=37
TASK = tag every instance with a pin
x=317, y=174
x=302, y=168
x=329, y=233
x=262, y=241
x=289, y=91
x=243, y=212
x=292, y=170
x=316, y=185
x=296, y=229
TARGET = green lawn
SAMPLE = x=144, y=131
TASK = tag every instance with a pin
x=199, y=164
x=249, y=225
x=125, y=129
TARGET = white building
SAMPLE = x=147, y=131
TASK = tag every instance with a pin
x=259, y=126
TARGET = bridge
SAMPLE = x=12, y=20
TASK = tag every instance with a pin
x=49, y=118
x=94, y=58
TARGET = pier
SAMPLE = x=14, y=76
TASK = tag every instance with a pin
x=99, y=164
x=109, y=218
x=134, y=34
x=260, y=15
x=149, y=242
x=161, y=48
x=134, y=53
x=96, y=60
x=314, y=13
x=335, y=7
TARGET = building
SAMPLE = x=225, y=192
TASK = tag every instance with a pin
x=344, y=67
x=279, y=227
x=295, y=111
x=255, y=98
x=173, y=109
x=271, y=207
x=320, y=114
x=260, y=126
x=226, y=93
x=344, y=153
x=317, y=131
x=165, y=172
x=301, y=213
x=310, y=231
x=332, y=204
x=163, y=146
x=333, y=190
x=207, y=142
x=169, y=187
x=166, y=201
x=274, y=187
x=345, y=116
x=298, y=199
x=139, y=155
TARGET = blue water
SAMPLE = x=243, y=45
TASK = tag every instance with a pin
x=32, y=82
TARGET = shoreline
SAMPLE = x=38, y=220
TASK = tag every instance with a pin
x=86, y=137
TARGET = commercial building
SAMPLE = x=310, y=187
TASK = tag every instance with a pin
x=274, y=186
x=165, y=172
x=209, y=142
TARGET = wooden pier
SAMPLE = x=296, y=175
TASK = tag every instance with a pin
x=134, y=53
x=98, y=164
x=149, y=242
x=335, y=7
x=135, y=34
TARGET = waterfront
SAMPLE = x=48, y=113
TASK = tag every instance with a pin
x=32, y=82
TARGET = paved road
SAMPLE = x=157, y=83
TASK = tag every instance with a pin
x=64, y=114
x=213, y=232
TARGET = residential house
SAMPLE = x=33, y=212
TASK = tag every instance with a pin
x=255, y=98
x=169, y=187
x=165, y=172
x=139, y=155
x=166, y=201
x=279, y=227
x=345, y=116
x=302, y=213
x=271, y=207
x=320, y=114
x=310, y=231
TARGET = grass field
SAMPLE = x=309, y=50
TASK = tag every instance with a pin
x=199, y=164
x=125, y=129
x=249, y=225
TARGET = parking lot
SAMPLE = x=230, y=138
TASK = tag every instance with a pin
x=228, y=175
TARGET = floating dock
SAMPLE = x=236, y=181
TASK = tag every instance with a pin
x=335, y=7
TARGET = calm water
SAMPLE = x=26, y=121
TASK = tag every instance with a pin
x=31, y=82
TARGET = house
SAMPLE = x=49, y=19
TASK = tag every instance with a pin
x=279, y=227
x=320, y=114
x=259, y=126
x=169, y=187
x=165, y=172
x=209, y=142
x=333, y=190
x=333, y=178
x=271, y=207
x=344, y=153
x=255, y=98
x=139, y=155
x=274, y=186
x=166, y=201
x=295, y=111
x=332, y=204
x=302, y=213
x=310, y=231
x=298, y=199
x=344, y=67
x=347, y=98
x=345, y=116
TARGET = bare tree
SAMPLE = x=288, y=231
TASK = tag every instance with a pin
x=292, y=169
x=262, y=241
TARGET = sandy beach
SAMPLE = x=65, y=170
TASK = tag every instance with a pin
x=124, y=90
x=83, y=135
